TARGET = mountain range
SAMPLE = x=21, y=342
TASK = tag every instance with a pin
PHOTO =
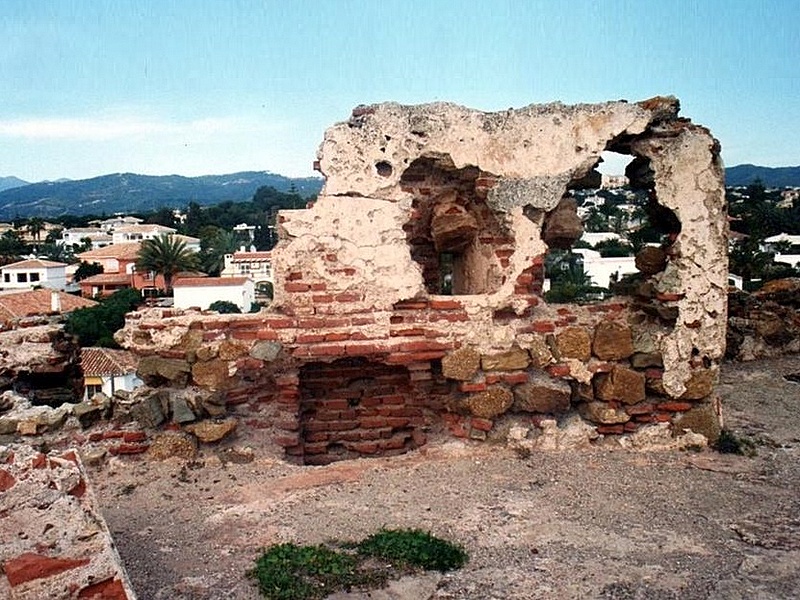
x=778, y=177
x=129, y=192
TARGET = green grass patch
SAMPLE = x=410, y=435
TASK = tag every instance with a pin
x=292, y=572
x=414, y=547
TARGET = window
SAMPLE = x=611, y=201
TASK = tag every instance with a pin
x=34, y=276
x=7, y=277
x=22, y=278
x=91, y=390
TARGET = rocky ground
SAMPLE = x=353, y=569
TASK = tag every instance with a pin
x=595, y=523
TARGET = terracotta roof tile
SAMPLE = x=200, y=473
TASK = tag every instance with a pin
x=34, y=263
x=38, y=302
x=105, y=361
x=107, y=278
x=245, y=256
x=127, y=251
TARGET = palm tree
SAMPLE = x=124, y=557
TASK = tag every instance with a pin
x=35, y=227
x=213, y=249
x=166, y=256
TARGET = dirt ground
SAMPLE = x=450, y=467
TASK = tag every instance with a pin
x=590, y=524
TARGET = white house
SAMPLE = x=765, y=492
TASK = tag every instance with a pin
x=255, y=265
x=792, y=243
x=603, y=270
x=201, y=292
x=116, y=222
x=75, y=236
x=107, y=371
x=138, y=233
x=32, y=273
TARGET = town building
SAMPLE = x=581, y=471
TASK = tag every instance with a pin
x=107, y=371
x=201, y=292
x=33, y=273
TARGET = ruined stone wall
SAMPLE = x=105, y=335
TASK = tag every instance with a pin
x=422, y=260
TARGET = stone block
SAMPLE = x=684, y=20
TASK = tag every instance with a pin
x=180, y=411
x=490, y=403
x=213, y=374
x=462, y=364
x=212, y=430
x=540, y=353
x=542, y=395
x=601, y=412
x=156, y=370
x=700, y=385
x=573, y=342
x=266, y=351
x=612, y=341
x=514, y=359
x=703, y=419
x=148, y=411
x=621, y=385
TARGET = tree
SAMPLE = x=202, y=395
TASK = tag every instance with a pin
x=35, y=227
x=11, y=245
x=95, y=325
x=214, y=245
x=87, y=270
x=166, y=256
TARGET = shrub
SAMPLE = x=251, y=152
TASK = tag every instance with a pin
x=95, y=325
x=224, y=307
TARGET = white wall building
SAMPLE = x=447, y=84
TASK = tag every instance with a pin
x=201, y=292
x=138, y=233
x=107, y=371
x=603, y=270
x=255, y=265
x=31, y=273
x=75, y=236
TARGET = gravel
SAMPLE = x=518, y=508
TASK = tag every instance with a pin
x=595, y=523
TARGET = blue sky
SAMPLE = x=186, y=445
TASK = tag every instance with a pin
x=89, y=87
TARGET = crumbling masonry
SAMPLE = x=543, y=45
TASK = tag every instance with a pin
x=408, y=298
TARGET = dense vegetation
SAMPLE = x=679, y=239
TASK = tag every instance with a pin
x=95, y=325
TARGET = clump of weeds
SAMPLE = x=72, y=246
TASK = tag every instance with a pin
x=730, y=443
x=292, y=572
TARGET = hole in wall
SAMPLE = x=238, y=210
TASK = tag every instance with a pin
x=453, y=234
x=608, y=233
x=384, y=169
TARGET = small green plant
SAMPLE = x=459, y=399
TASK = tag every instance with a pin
x=730, y=443
x=292, y=572
x=414, y=547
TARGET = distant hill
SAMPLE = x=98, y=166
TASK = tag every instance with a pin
x=128, y=192
x=769, y=176
x=7, y=183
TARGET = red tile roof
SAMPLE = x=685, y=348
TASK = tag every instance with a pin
x=38, y=302
x=107, y=279
x=208, y=281
x=252, y=255
x=34, y=263
x=104, y=361
x=128, y=251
